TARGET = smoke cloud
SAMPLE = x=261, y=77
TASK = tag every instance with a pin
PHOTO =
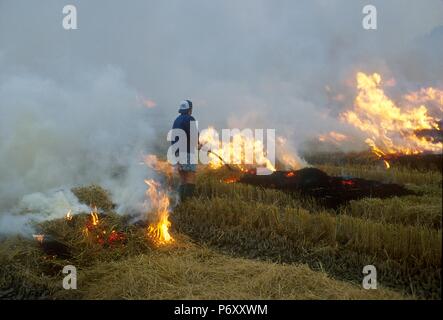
x=82, y=106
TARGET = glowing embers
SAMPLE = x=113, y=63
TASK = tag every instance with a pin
x=101, y=233
x=231, y=180
x=347, y=182
x=290, y=174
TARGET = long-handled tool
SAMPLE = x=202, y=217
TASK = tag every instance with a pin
x=221, y=159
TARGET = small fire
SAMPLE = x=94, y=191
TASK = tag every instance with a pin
x=379, y=153
x=93, y=223
x=69, y=215
x=290, y=174
x=390, y=129
x=159, y=202
x=39, y=237
x=94, y=217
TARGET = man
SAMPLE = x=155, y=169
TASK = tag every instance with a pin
x=185, y=121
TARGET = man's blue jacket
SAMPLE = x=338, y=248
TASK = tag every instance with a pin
x=184, y=122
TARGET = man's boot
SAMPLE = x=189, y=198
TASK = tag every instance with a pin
x=181, y=192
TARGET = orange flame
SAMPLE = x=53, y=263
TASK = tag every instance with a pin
x=391, y=129
x=426, y=95
x=235, y=151
x=94, y=217
x=159, y=201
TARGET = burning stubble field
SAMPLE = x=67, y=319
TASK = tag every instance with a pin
x=240, y=241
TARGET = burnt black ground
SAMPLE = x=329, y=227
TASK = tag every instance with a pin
x=331, y=192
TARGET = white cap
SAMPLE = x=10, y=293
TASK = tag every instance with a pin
x=185, y=105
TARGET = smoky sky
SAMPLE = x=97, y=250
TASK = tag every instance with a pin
x=249, y=63
x=229, y=56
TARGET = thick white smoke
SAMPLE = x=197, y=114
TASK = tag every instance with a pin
x=37, y=207
x=56, y=135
